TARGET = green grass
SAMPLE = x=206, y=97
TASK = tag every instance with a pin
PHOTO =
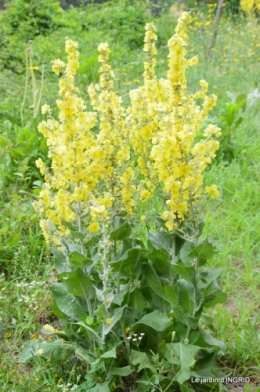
x=233, y=220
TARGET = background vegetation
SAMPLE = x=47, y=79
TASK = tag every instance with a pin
x=232, y=220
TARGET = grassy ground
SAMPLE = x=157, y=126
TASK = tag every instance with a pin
x=233, y=220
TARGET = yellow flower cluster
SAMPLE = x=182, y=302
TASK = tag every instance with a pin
x=164, y=122
x=108, y=159
x=248, y=5
x=88, y=169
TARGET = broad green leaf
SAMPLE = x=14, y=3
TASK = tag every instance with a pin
x=154, y=282
x=161, y=240
x=156, y=320
x=75, y=230
x=78, y=284
x=184, y=253
x=109, y=354
x=128, y=260
x=213, y=295
x=141, y=359
x=58, y=350
x=91, y=241
x=171, y=295
x=186, y=272
x=121, y=233
x=123, y=371
x=186, y=353
x=67, y=303
x=209, y=275
x=124, y=246
x=204, y=250
x=160, y=256
x=61, y=263
x=79, y=260
x=186, y=296
x=204, y=339
x=183, y=375
x=137, y=300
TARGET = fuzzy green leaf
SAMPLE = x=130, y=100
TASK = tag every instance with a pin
x=121, y=233
x=156, y=320
x=78, y=284
x=79, y=260
x=67, y=303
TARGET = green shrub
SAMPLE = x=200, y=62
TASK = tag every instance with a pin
x=22, y=21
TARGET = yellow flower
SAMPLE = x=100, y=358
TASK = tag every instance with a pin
x=49, y=328
x=127, y=330
x=93, y=227
x=40, y=351
x=33, y=68
x=247, y=5
x=46, y=109
x=57, y=66
x=212, y=190
x=108, y=321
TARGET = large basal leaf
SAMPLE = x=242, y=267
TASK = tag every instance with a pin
x=156, y=320
x=58, y=350
x=78, y=284
x=67, y=303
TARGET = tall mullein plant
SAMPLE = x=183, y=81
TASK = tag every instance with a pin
x=131, y=307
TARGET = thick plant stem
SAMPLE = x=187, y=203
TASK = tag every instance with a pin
x=215, y=31
x=26, y=84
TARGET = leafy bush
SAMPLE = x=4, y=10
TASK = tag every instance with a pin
x=130, y=305
x=22, y=21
